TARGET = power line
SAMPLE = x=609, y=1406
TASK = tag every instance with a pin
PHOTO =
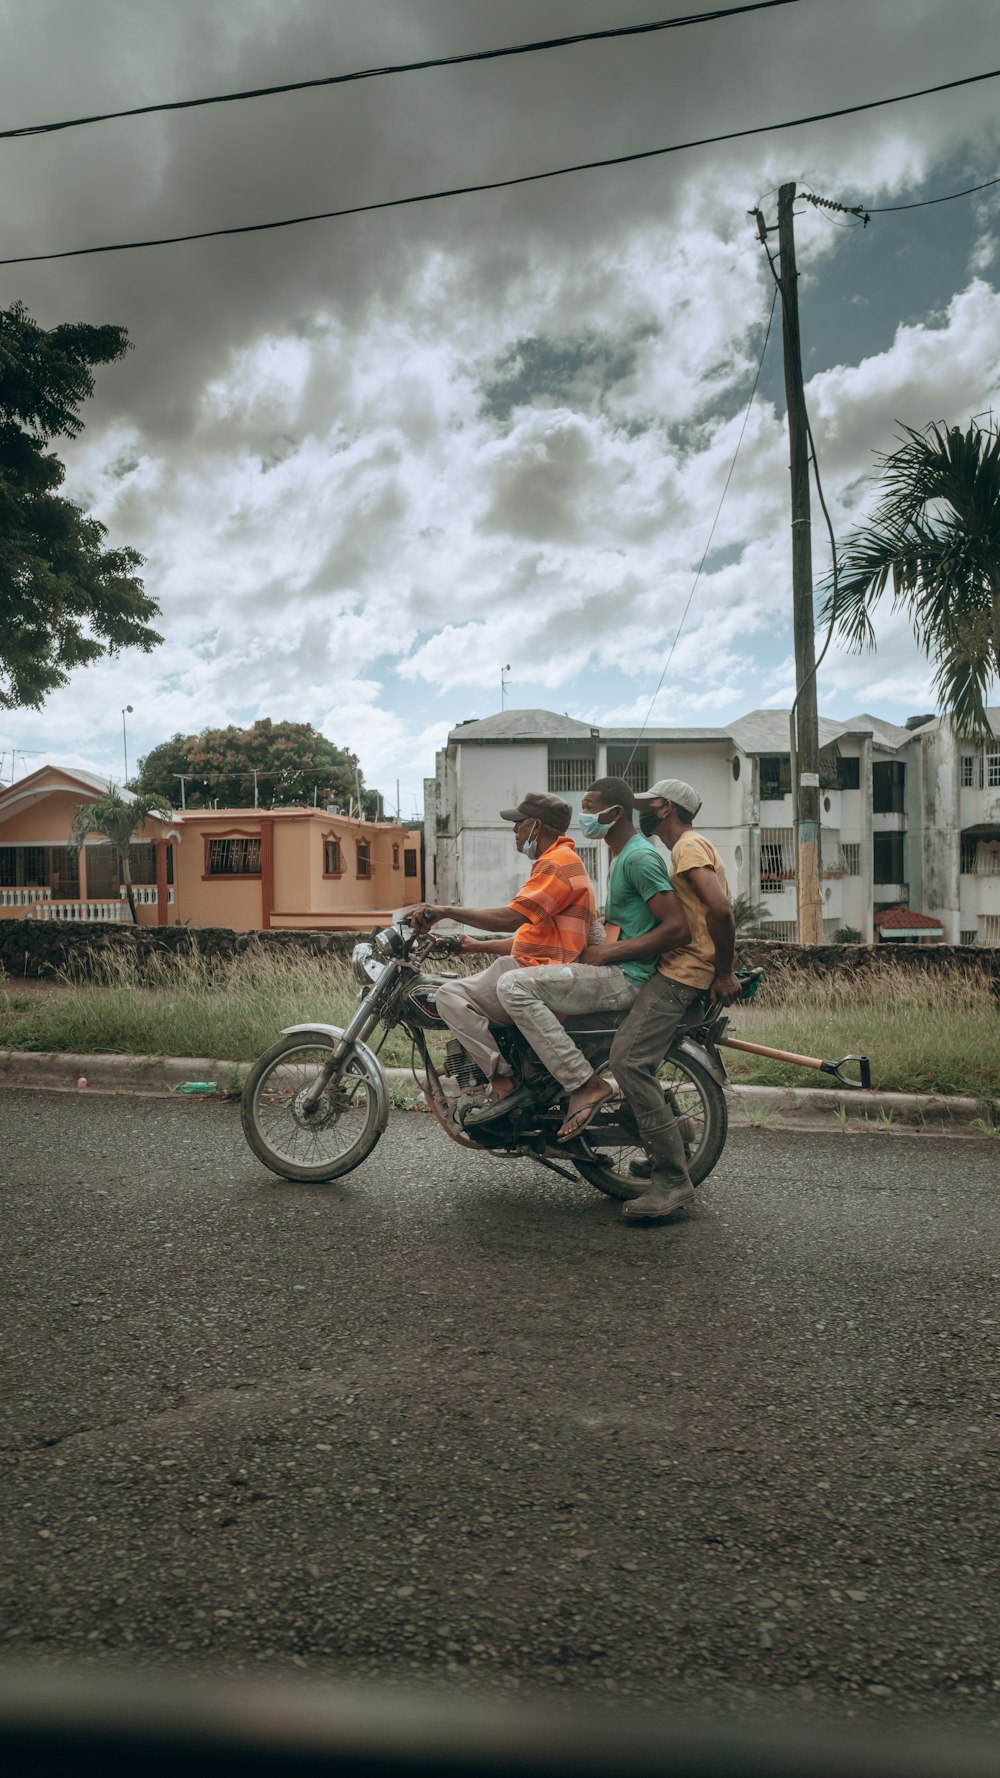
x=479, y=55
x=428, y=197
x=887, y=209
x=711, y=534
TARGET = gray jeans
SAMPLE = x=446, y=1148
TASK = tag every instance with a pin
x=469, y=1006
x=531, y=998
x=638, y=1048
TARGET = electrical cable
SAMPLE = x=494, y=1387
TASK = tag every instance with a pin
x=427, y=197
x=925, y=203
x=481, y=55
x=711, y=534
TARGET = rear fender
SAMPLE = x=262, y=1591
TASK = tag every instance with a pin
x=708, y=1058
x=367, y=1057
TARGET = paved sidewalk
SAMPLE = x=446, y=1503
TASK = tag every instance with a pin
x=762, y=1107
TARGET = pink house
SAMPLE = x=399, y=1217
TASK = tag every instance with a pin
x=249, y=869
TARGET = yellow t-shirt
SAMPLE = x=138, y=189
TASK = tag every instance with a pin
x=694, y=963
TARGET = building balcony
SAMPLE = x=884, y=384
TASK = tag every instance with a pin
x=889, y=821
x=891, y=894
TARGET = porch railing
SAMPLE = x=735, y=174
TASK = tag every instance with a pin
x=107, y=913
x=146, y=895
x=23, y=898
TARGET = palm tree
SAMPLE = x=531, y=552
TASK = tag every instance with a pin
x=116, y=820
x=751, y=917
x=936, y=534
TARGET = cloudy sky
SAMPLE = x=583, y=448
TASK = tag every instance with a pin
x=371, y=461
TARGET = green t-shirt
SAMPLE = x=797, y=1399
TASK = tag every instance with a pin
x=638, y=872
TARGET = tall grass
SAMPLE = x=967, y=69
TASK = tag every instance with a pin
x=185, y=1004
x=925, y=1031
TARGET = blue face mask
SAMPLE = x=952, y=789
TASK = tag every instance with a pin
x=594, y=827
x=530, y=848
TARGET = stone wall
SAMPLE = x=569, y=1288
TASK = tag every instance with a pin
x=772, y=955
x=46, y=948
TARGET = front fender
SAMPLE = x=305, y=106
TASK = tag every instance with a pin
x=709, y=1059
x=369, y=1060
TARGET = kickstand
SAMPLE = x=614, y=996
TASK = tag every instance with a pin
x=553, y=1167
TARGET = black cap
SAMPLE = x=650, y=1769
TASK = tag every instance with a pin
x=551, y=811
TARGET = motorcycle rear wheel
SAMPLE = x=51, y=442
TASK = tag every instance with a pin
x=700, y=1106
x=336, y=1138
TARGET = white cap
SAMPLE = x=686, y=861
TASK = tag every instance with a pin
x=672, y=790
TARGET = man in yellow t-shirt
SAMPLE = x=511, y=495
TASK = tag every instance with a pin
x=704, y=966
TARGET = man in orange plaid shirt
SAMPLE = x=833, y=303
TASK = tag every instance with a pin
x=552, y=919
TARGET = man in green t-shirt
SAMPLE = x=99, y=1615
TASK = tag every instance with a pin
x=644, y=918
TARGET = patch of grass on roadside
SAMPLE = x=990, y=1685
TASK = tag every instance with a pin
x=925, y=1031
x=931, y=1032
x=187, y=1005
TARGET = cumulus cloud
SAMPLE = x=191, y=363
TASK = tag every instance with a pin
x=370, y=461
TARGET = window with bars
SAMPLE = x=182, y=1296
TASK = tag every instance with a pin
x=635, y=772
x=775, y=776
x=988, y=932
x=848, y=773
x=992, y=763
x=142, y=862
x=967, y=861
x=333, y=857
x=573, y=772
x=364, y=858
x=852, y=858
x=410, y=861
x=24, y=866
x=967, y=937
x=777, y=859
x=233, y=858
x=785, y=930
x=968, y=771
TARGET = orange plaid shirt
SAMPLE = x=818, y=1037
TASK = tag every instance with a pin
x=558, y=904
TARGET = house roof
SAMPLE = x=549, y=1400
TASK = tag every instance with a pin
x=523, y=725
x=759, y=731
x=906, y=920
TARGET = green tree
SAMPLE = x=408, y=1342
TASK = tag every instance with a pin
x=65, y=600
x=293, y=763
x=116, y=818
x=751, y=917
x=935, y=534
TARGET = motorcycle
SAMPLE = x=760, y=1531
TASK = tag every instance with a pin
x=315, y=1104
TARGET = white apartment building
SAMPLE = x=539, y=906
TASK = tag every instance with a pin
x=910, y=816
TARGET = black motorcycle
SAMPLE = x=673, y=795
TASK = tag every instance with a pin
x=315, y=1104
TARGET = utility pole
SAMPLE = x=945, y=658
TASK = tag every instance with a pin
x=183, y=776
x=254, y=770
x=503, y=685
x=804, y=718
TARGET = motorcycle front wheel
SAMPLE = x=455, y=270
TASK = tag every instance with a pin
x=326, y=1143
x=699, y=1104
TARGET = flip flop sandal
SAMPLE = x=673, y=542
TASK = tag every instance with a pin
x=587, y=1113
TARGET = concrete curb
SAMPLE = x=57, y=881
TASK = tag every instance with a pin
x=814, y=1108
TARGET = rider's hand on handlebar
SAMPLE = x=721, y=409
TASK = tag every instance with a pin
x=423, y=917
x=725, y=989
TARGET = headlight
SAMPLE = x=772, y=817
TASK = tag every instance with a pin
x=365, y=966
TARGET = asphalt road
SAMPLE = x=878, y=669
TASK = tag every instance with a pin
x=451, y=1420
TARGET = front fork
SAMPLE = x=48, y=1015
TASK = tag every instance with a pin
x=355, y=1031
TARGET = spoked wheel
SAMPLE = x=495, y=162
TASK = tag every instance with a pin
x=605, y=1152
x=298, y=1144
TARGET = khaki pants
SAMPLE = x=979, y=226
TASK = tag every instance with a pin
x=469, y=1006
x=533, y=997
